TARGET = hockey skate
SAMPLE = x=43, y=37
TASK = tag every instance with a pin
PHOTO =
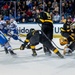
x=11, y=52
x=47, y=51
x=6, y=51
x=34, y=52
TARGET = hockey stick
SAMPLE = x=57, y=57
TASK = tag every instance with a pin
x=36, y=48
x=50, y=40
x=12, y=49
x=19, y=49
x=22, y=35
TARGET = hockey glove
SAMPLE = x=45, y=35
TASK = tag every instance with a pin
x=22, y=47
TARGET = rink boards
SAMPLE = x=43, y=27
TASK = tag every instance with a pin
x=23, y=29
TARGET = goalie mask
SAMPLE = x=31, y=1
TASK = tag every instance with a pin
x=63, y=41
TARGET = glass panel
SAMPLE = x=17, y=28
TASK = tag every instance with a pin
x=27, y=10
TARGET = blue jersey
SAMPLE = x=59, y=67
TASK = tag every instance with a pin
x=3, y=39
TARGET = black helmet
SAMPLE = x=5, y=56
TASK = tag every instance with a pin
x=32, y=29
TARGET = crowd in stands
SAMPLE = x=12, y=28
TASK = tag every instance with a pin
x=27, y=10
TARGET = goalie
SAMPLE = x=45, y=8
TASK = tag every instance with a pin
x=68, y=31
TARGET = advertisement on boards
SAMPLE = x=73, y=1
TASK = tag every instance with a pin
x=25, y=28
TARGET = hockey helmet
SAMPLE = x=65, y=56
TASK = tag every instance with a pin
x=6, y=18
x=32, y=29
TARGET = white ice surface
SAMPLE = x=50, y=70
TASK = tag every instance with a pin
x=25, y=64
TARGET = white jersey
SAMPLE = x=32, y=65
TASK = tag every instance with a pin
x=13, y=26
x=14, y=22
x=2, y=24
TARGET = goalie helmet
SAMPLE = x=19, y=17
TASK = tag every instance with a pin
x=63, y=41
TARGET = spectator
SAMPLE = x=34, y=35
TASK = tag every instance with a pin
x=63, y=20
x=18, y=18
x=54, y=3
x=34, y=13
x=29, y=15
x=6, y=6
x=23, y=20
x=28, y=2
x=49, y=6
x=24, y=17
x=22, y=7
x=23, y=10
x=40, y=5
x=35, y=3
x=56, y=8
x=63, y=7
x=56, y=18
x=69, y=9
x=30, y=5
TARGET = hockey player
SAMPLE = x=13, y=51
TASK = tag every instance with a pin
x=4, y=42
x=68, y=32
x=35, y=37
x=14, y=30
x=47, y=26
x=11, y=30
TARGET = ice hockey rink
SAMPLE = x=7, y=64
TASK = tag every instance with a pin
x=25, y=64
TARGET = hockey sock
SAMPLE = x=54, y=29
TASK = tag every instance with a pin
x=33, y=50
x=58, y=53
